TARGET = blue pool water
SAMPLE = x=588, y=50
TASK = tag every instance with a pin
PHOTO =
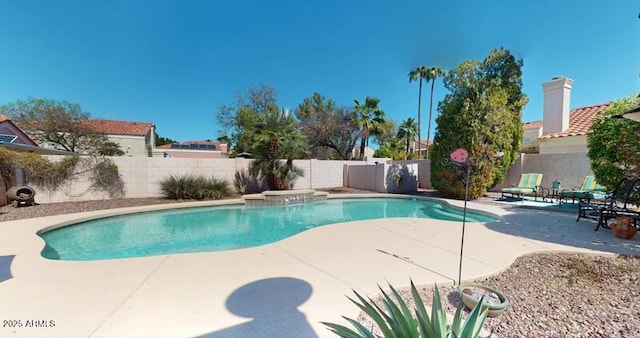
x=227, y=227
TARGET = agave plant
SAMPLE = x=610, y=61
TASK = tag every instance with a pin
x=399, y=321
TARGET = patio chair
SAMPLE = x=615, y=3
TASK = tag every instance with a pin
x=590, y=189
x=529, y=184
x=619, y=202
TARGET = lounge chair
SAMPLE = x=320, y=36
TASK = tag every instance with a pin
x=590, y=189
x=529, y=184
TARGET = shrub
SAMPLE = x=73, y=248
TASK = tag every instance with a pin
x=614, y=146
x=247, y=181
x=102, y=173
x=194, y=187
x=482, y=114
x=399, y=321
x=106, y=175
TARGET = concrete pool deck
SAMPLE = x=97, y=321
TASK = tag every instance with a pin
x=284, y=289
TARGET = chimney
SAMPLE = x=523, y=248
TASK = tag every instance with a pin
x=557, y=96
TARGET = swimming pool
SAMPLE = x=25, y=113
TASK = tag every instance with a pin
x=226, y=227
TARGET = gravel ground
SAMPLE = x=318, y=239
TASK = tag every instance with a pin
x=9, y=213
x=550, y=294
x=558, y=295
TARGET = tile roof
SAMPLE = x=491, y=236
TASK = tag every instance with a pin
x=423, y=143
x=580, y=120
x=23, y=137
x=115, y=127
x=532, y=125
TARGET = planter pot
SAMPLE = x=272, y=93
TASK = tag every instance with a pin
x=495, y=301
x=623, y=229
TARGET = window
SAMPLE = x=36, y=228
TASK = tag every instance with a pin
x=4, y=138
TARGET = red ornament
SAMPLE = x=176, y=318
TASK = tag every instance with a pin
x=459, y=156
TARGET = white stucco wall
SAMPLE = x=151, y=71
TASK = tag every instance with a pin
x=323, y=174
x=424, y=171
x=382, y=177
x=557, y=103
x=361, y=176
x=142, y=175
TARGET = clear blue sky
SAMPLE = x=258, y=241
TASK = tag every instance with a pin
x=174, y=62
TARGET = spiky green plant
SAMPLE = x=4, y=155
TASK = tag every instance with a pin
x=397, y=320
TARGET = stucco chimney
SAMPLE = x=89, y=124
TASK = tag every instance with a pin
x=557, y=96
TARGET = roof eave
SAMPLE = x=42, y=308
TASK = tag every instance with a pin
x=35, y=149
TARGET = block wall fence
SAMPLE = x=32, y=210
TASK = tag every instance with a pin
x=142, y=175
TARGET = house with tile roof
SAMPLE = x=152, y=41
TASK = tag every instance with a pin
x=368, y=151
x=420, y=146
x=193, y=149
x=134, y=138
x=13, y=138
x=562, y=130
x=10, y=133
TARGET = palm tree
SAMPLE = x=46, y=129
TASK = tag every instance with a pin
x=432, y=74
x=419, y=73
x=408, y=130
x=392, y=148
x=370, y=119
x=277, y=136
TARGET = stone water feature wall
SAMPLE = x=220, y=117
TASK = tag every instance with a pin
x=284, y=197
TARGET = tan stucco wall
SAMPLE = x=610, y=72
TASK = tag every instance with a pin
x=131, y=145
x=531, y=135
x=530, y=140
x=570, y=144
x=568, y=168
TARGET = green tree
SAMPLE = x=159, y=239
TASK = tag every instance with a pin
x=482, y=114
x=58, y=124
x=109, y=149
x=432, y=74
x=614, y=146
x=241, y=118
x=163, y=140
x=272, y=136
x=370, y=120
x=224, y=139
x=385, y=131
x=393, y=148
x=331, y=131
x=277, y=137
x=408, y=131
